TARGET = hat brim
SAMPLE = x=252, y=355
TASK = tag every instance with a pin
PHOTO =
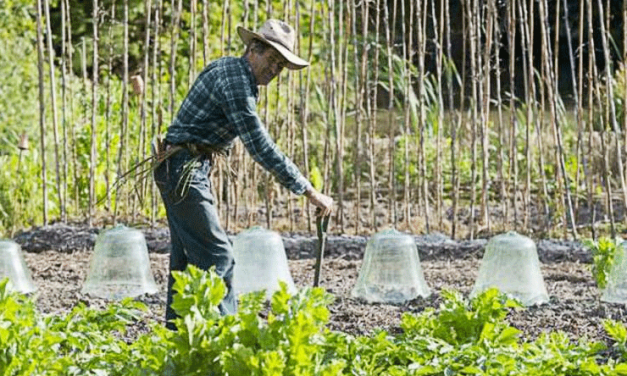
x=293, y=62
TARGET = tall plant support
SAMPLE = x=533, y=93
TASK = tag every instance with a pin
x=305, y=103
x=359, y=79
x=65, y=82
x=513, y=150
x=407, y=36
x=485, y=95
x=94, y=103
x=391, y=118
x=72, y=143
x=42, y=111
x=177, y=8
x=53, y=104
x=438, y=39
x=539, y=123
x=502, y=193
x=371, y=94
x=192, y=44
x=341, y=106
x=577, y=97
x=205, y=32
x=526, y=24
x=144, y=138
x=123, y=112
x=107, y=120
x=454, y=119
x=471, y=10
x=421, y=29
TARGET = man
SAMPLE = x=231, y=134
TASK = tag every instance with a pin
x=221, y=106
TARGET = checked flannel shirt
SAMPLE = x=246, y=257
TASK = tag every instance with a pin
x=221, y=106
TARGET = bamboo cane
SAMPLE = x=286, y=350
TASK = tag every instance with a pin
x=528, y=29
x=143, y=132
x=42, y=111
x=407, y=36
x=370, y=113
x=453, y=118
x=266, y=174
x=502, y=194
x=230, y=26
x=65, y=82
x=359, y=85
x=192, y=44
x=538, y=126
x=333, y=110
x=462, y=118
x=580, y=159
x=513, y=155
x=471, y=11
x=205, y=32
x=343, y=68
x=328, y=113
x=421, y=29
x=305, y=102
x=94, y=102
x=70, y=94
x=485, y=93
x=591, y=100
x=439, y=52
x=123, y=111
x=290, y=117
x=53, y=104
x=223, y=27
x=391, y=117
x=173, y=48
x=155, y=128
x=108, y=112
x=576, y=95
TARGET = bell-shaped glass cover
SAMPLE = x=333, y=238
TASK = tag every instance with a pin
x=120, y=266
x=616, y=289
x=391, y=271
x=510, y=263
x=13, y=267
x=260, y=262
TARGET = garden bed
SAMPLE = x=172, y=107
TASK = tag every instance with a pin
x=58, y=257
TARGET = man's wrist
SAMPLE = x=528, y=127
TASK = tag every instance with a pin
x=309, y=191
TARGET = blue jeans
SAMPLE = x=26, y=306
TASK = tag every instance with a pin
x=195, y=232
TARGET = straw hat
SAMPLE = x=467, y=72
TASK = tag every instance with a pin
x=279, y=35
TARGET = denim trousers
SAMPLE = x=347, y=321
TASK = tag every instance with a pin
x=195, y=232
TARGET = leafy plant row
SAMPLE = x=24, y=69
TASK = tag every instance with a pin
x=461, y=337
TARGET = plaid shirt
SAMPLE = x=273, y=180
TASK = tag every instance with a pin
x=220, y=106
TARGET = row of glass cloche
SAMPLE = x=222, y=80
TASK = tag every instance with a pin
x=390, y=272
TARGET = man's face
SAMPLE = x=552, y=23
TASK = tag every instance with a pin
x=267, y=66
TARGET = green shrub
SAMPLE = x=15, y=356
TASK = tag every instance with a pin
x=603, y=253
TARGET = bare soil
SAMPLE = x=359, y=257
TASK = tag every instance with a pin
x=59, y=255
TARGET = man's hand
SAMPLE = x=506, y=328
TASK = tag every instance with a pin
x=324, y=202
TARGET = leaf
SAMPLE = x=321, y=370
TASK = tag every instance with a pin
x=621, y=369
x=471, y=370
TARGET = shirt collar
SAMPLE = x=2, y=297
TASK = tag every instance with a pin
x=251, y=76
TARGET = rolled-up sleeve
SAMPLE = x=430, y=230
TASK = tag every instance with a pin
x=239, y=105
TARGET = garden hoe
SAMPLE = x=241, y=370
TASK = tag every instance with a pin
x=322, y=223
